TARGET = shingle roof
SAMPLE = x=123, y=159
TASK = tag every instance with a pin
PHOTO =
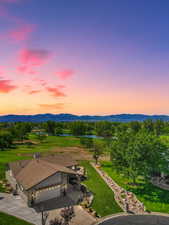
x=62, y=159
x=17, y=166
x=37, y=170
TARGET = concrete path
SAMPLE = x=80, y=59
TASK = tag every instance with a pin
x=15, y=206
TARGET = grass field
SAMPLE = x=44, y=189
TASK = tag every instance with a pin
x=104, y=203
x=24, y=151
x=155, y=199
x=165, y=139
x=6, y=219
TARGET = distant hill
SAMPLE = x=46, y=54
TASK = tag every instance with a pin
x=71, y=117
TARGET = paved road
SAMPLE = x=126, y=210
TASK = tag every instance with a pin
x=16, y=206
x=137, y=220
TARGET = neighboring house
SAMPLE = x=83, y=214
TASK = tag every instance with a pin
x=41, y=179
x=39, y=132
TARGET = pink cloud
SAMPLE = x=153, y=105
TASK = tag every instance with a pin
x=34, y=92
x=52, y=106
x=39, y=81
x=56, y=92
x=61, y=86
x=6, y=87
x=65, y=74
x=34, y=57
x=33, y=72
x=2, y=70
x=43, y=83
x=22, y=33
x=22, y=69
x=26, y=69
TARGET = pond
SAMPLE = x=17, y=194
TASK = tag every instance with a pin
x=87, y=136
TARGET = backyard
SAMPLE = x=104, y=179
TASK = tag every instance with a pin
x=6, y=219
x=24, y=151
x=104, y=202
x=154, y=198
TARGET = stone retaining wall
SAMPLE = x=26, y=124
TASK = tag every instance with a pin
x=126, y=200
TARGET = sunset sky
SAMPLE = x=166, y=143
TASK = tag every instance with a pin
x=84, y=56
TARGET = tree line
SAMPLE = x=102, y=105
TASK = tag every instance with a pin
x=103, y=128
x=10, y=132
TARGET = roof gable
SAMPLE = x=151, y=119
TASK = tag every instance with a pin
x=17, y=166
x=62, y=159
x=38, y=170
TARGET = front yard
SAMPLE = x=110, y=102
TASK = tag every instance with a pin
x=6, y=219
x=104, y=202
x=154, y=198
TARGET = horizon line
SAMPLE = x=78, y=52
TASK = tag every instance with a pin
x=142, y=114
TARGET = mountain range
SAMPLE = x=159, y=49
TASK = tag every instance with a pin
x=71, y=117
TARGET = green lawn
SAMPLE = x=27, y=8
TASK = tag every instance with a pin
x=6, y=219
x=155, y=199
x=24, y=151
x=165, y=139
x=104, y=203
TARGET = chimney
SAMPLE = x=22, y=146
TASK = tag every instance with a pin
x=36, y=156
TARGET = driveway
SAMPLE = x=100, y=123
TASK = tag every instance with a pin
x=17, y=207
x=81, y=216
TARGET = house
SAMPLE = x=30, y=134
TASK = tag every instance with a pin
x=38, y=131
x=42, y=179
